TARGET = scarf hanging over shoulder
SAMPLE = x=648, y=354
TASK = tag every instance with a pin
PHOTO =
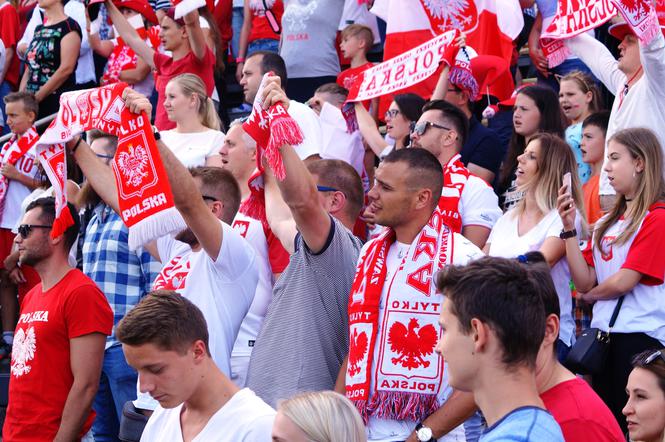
x=10, y=153
x=144, y=195
x=455, y=177
x=408, y=373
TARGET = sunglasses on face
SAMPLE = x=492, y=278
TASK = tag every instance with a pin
x=420, y=128
x=392, y=113
x=25, y=229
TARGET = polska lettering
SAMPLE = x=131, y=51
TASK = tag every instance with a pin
x=575, y=17
x=152, y=202
x=37, y=316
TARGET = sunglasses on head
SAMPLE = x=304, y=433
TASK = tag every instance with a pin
x=25, y=229
x=420, y=128
x=653, y=356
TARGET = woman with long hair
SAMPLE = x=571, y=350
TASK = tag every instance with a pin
x=197, y=138
x=534, y=223
x=625, y=260
x=51, y=57
x=645, y=409
x=536, y=110
x=404, y=111
x=322, y=416
x=579, y=97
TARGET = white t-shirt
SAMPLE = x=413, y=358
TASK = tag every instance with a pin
x=309, y=125
x=384, y=430
x=505, y=242
x=643, y=308
x=479, y=205
x=192, y=149
x=253, y=232
x=17, y=192
x=244, y=418
x=222, y=288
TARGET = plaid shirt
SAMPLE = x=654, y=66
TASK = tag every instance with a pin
x=124, y=276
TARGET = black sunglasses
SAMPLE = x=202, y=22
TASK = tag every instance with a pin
x=272, y=20
x=25, y=229
x=420, y=128
x=653, y=356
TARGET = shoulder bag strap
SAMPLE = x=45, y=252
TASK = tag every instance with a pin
x=615, y=313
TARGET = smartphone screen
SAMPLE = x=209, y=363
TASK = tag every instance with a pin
x=567, y=182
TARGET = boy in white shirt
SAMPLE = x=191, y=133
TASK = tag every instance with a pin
x=165, y=337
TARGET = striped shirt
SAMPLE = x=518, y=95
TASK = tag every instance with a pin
x=122, y=275
x=304, y=337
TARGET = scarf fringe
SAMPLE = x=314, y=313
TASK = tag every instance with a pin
x=156, y=225
x=398, y=405
x=254, y=207
x=283, y=130
x=558, y=56
x=62, y=222
x=463, y=79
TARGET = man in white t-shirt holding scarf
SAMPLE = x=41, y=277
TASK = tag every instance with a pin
x=396, y=380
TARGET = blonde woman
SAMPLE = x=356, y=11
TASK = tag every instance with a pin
x=196, y=139
x=625, y=259
x=534, y=223
x=323, y=416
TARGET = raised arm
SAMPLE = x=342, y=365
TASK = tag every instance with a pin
x=244, y=37
x=129, y=34
x=197, y=39
x=653, y=61
x=99, y=175
x=369, y=131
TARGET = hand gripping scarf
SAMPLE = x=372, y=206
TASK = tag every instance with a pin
x=271, y=129
x=642, y=17
x=408, y=373
x=144, y=195
x=10, y=153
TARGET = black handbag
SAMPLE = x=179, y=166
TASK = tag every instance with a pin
x=588, y=354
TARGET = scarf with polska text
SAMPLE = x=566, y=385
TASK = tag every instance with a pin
x=408, y=374
x=10, y=153
x=144, y=195
x=455, y=177
x=271, y=129
x=572, y=18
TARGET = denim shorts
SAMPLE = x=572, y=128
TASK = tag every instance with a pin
x=263, y=44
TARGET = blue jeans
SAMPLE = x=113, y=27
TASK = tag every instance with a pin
x=263, y=44
x=564, y=68
x=236, y=23
x=117, y=385
x=4, y=90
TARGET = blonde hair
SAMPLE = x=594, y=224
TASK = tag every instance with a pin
x=324, y=416
x=641, y=144
x=191, y=84
x=554, y=160
x=360, y=31
x=586, y=84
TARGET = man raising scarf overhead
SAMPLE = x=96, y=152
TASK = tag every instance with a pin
x=392, y=373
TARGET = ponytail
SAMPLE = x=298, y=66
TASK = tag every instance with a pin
x=191, y=84
x=209, y=114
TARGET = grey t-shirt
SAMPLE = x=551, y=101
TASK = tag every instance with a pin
x=309, y=28
x=304, y=337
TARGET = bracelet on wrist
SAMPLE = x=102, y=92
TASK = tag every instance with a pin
x=240, y=60
x=565, y=234
x=76, y=146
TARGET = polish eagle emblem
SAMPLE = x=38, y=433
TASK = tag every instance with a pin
x=25, y=344
x=132, y=164
x=357, y=351
x=60, y=172
x=451, y=14
x=412, y=344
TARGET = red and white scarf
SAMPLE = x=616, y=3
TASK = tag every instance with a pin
x=455, y=177
x=144, y=195
x=641, y=16
x=572, y=18
x=123, y=57
x=10, y=153
x=271, y=129
x=408, y=375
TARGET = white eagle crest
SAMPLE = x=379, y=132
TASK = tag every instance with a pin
x=132, y=164
x=60, y=171
x=450, y=11
x=23, y=352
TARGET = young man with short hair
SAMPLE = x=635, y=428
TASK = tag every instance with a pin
x=357, y=40
x=594, y=131
x=59, y=339
x=165, y=338
x=493, y=324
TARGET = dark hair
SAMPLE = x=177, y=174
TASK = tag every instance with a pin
x=30, y=103
x=271, y=61
x=170, y=13
x=166, y=319
x=552, y=121
x=332, y=88
x=425, y=171
x=340, y=175
x=500, y=293
x=599, y=119
x=221, y=184
x=95, y=134
x=410, y=105
x=47, y=216
x=452, y=116
x=656, y=366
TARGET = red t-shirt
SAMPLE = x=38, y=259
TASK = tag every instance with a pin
x=580, y=413
x=9, y=34
x=347, y=77
x=260, y=25
x=41, y=375
x=168, y=68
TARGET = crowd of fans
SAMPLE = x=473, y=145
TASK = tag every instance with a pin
x=434, y=274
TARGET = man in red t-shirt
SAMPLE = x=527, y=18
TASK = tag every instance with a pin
x=60, y=337
x=578, y=410
x=190, y=53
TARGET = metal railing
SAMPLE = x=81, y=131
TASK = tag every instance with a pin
x=39, y=124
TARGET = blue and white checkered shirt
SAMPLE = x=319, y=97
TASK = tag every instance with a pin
x=124, y=276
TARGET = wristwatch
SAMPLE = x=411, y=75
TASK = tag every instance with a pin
x=424, y=434
x=568, y=234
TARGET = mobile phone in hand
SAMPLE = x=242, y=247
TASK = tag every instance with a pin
x=567, y=181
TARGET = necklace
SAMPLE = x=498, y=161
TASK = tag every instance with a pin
x=626, y=87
